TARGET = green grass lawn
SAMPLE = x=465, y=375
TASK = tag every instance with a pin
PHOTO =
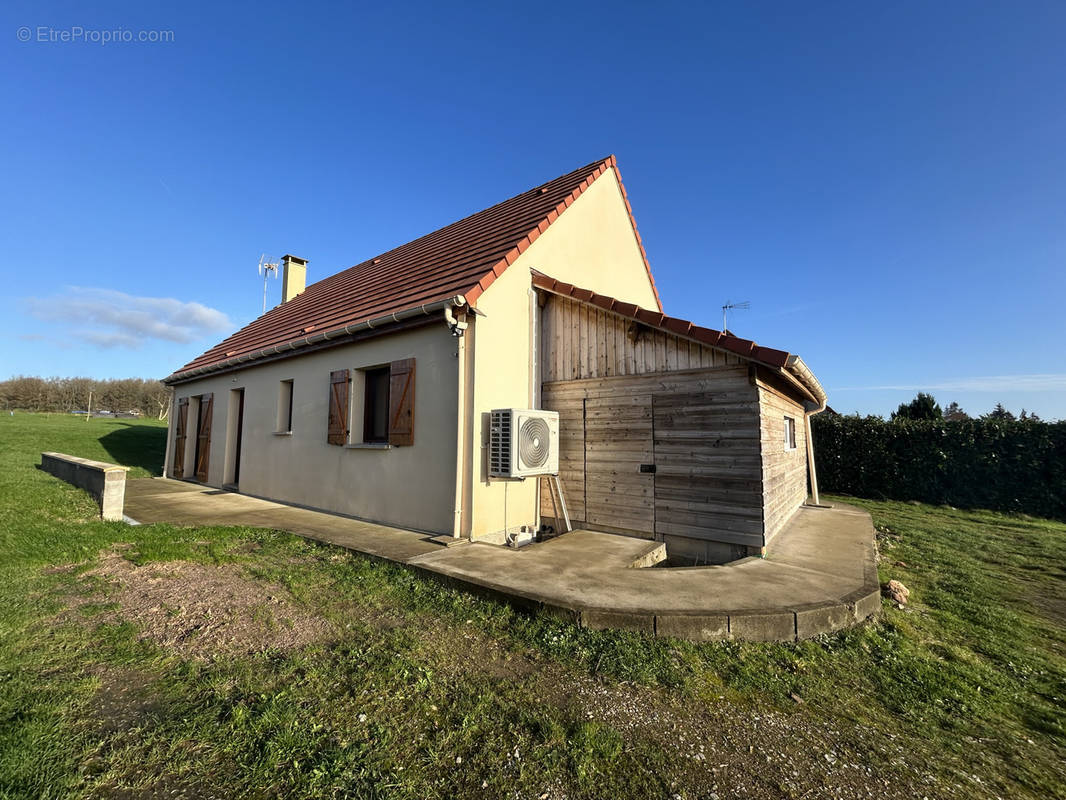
x=158, y=661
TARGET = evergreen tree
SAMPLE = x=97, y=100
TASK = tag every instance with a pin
x=923, y=406
x=954, y=413
x=1000, y=413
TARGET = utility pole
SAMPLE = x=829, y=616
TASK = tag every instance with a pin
x=89, y=412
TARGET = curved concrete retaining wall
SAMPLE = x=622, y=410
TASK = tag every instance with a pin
x=803, y=622
x=754, y=626
x=105, y=482
x=820, y=576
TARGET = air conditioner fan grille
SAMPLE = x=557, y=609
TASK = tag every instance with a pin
x=534, y=442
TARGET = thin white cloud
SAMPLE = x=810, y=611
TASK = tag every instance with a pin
x=108, y=340
x=109, y=318
x=1040, y=382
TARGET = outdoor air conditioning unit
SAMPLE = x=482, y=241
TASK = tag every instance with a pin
x=523, y=442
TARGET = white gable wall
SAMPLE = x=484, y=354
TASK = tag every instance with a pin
x=591, y=245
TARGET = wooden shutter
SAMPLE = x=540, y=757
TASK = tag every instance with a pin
x=180, y=424
x=203, y=437
x=402, y=403
x=337, y=432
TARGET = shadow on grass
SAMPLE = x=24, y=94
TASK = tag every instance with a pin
x=141, y=446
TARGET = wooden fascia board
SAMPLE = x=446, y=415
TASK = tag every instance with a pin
x=792, y=381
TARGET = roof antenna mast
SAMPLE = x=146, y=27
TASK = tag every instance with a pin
x=266, y=266
x=734, y=306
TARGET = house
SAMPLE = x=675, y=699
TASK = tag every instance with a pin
x=369, y=393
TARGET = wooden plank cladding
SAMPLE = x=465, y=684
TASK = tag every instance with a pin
x=707, y=446
x=700, y=430
x=784, y=468
x=618, y=439
x=579, y=341
x=720, y=473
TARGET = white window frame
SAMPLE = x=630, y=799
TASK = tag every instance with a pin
x=790, y=433
x=357, y=410
x=286, y=388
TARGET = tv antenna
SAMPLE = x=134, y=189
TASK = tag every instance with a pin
x=734, y=306
x=266, y=266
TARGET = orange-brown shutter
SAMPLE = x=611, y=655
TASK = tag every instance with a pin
x=337, y=432
x=180, y=424
x=402, y=402
x=203, y=437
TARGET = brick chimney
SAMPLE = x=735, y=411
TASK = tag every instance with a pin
x=294, y=279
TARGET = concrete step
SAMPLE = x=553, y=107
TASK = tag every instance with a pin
x=448, y=541
x=655, y=553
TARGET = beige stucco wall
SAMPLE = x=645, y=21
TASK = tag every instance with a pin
x=405, y=486
x=501, y=379
x=591, y=245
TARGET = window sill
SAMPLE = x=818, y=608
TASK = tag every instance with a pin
x=368, y=446
x=283, y=433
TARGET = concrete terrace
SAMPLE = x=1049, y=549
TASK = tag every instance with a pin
x=819, y=574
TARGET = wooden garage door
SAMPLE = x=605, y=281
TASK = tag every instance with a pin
x=618, y=439
x=708, y=469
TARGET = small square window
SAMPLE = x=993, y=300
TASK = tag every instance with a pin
x=790, y=433
x=376, y=405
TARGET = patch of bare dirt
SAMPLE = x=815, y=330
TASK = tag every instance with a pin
x=201, y=611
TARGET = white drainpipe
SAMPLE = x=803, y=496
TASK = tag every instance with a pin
x=796, y=366
x=460, y=439
x=534, y=383
x=170, y=430
x=810, y=410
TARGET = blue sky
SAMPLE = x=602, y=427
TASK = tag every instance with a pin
x=885, y=183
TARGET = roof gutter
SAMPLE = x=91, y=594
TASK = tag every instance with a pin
x=803, y=374
x=426, y=309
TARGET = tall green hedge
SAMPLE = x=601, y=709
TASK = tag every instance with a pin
x=977, y=463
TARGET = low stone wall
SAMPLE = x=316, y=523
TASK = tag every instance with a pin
x=105, y=482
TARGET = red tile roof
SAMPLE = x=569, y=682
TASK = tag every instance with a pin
x=463, y=258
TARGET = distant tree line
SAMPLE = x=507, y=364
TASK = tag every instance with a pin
x=925, y=406
x=995, y=461
x=65, y=395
